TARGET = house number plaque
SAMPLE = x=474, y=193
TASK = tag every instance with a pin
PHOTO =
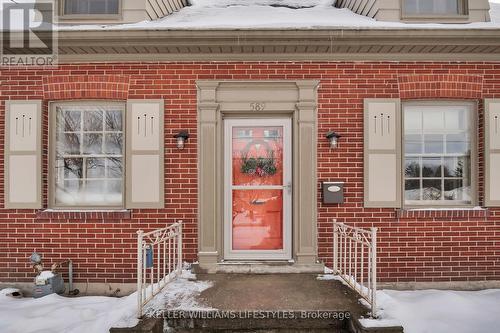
x=258, y=106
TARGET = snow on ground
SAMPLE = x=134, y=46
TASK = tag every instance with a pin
x=96, y=314
x=429, y=311
x=54, y=313
x=275, y=14
x=181, y=294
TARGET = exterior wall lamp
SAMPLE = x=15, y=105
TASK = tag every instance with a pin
x=333, y=138
x=181, y=137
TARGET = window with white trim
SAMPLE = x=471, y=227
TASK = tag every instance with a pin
x=88, y=155
x=91, y=7
x=433, y=7
x=439, y=154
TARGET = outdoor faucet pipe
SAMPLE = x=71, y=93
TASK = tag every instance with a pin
x=70, y=277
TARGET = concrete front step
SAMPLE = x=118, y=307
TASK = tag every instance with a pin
x=293, y=303
x=268, y=303
x=260, y=267
x=257, y=321
x=281, y=330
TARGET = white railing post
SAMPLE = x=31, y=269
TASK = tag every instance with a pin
x=139, y=272
x=335, y=248
x=374, y=270
x=179, y=252
x=345, y=260
x=171, y=237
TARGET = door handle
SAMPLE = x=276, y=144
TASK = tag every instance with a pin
x=288, y=187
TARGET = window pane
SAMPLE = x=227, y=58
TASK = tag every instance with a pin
x=257, y=220
x=114, y=192
x=413, y=144
x=433, y=144
x=71, y=121
x=113, y=120
x=432, y=7
x=454, y=190
x=457, y=143
x=96, y=168
x=92, y=143
x=456, y=119
x=92, y=121
x=412, y=168
x=89, y=162
x=426, y=6
x=115, y=167
x=68, y=143
x=257, y=155
x=85, y=7
x=113, y=143
x=453, y=167
x=94, y=190
x=431, y=189
x=431, y=167
x=73, y=168
x=433, y=119
x=413, y=120
x=97, y=6
x=411, y=6
x=412, y=190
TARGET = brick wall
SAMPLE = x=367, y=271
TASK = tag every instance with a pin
x=424, y=246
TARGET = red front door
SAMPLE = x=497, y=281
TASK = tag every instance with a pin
x=258, y=189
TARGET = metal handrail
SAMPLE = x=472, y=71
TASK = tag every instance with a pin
x=166, y=245
x=355, y=260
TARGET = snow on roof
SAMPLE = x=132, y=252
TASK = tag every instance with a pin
x=276, y=14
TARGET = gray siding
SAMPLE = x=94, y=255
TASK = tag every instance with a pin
x=159, y=8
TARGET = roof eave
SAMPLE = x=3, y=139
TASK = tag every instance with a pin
x=280, y=44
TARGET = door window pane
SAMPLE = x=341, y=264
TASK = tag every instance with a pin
x=438, y=170
x=257, y=156
x=257, y=220
x=89, y=155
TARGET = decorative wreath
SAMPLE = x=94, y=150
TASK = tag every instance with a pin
x=259, y=166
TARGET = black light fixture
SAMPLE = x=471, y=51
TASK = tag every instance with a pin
x=333, y=138
x=181, y=137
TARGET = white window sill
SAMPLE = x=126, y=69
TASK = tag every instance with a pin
x=446, y=208
x=80, y=214
x=51, y=210
x=443, y=213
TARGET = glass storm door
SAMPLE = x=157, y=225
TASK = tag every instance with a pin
x=258, y=189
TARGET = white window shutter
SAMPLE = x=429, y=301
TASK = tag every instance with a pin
x=382, y=153
x=492, y=152
x=23, y=154
x=145, y=163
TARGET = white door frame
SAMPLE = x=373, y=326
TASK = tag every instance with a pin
x=286, y=187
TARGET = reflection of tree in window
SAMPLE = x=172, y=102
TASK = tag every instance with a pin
x=89, y=155
x=437, y=148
